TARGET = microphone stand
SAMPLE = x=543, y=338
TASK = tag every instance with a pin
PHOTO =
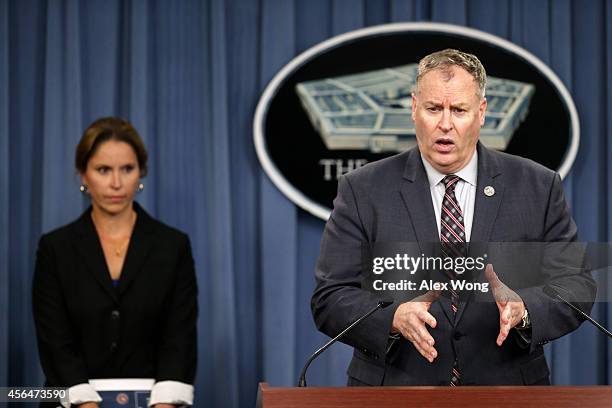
x=380, y=305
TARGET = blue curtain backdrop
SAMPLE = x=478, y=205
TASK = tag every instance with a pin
x=189, y=74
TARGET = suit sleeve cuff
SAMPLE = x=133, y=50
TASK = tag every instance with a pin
x=81, y=393
x=171, y=392
x=523, y=337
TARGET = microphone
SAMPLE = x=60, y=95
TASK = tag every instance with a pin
x=381, y=305
x=552, y=292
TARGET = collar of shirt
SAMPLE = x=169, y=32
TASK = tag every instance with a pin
x=467, y=173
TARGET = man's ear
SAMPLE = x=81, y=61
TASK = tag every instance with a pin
x=482, y=109
x=414, y=104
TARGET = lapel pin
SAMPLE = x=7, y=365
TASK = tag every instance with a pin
x=489, y=191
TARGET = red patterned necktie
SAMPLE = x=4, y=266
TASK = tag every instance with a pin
x=452, y=235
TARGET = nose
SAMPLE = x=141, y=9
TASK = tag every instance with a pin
x=446, y=124
x=116, y=180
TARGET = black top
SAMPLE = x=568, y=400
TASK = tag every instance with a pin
x=88, y=328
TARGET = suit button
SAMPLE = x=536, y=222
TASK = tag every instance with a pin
x=458, y=335
x=115, y=314
x=113, y=346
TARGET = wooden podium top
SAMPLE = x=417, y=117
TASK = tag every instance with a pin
x=435, y=397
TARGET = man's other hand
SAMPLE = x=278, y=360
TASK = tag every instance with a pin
x=509, y=303
x=410, y=319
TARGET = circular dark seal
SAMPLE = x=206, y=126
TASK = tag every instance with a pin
x=346, y=102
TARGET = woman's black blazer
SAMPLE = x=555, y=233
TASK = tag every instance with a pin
x=87, y=328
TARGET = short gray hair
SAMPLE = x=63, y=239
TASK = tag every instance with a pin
x=443, y=60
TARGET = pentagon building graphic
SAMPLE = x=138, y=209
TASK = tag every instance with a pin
x=372, y=110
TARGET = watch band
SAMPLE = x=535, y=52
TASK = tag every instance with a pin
x=525, y=321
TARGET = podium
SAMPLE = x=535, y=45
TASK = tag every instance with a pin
x=435, y=397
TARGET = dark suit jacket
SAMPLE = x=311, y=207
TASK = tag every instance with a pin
x=87, y=328
x=390, y=201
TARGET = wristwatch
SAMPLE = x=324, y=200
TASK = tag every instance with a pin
x=525, y=321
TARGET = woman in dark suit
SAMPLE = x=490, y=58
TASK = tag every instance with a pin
x=114, y=292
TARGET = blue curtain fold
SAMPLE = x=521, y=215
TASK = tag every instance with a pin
x=278, y=216
x=4, y=190
x=188, y=74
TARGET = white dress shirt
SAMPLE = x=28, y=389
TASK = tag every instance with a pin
x=465, y=191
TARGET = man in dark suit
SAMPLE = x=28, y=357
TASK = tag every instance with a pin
x=453, y=190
